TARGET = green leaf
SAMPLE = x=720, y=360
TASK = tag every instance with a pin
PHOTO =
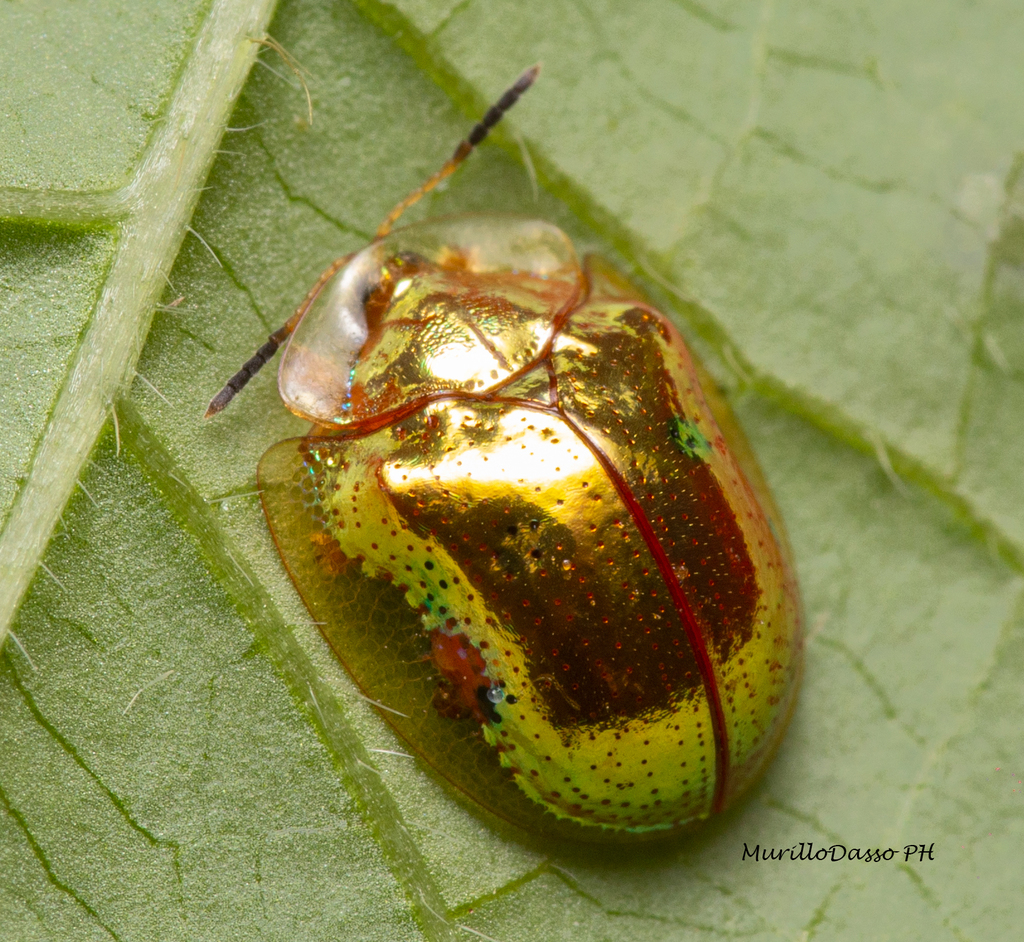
x=830, y=202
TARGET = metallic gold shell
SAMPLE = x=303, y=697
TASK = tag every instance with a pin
x=529, y=535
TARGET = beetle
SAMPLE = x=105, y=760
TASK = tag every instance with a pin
x=530, y=526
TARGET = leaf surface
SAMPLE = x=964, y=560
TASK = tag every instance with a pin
x=829, y=201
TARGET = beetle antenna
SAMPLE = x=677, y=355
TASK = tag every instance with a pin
x=480, y=130
x=259, y=359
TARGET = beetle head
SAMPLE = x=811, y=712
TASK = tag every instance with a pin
x=457, y=305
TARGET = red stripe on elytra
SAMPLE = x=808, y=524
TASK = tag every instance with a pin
x=682, y=605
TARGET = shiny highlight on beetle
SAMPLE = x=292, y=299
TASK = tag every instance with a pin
x=529, y=530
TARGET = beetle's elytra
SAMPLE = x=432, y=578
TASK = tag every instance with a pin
x=528, y=531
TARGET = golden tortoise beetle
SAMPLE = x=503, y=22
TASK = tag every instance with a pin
x=528, y=529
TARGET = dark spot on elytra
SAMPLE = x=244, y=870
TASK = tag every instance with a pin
x=486, y=707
